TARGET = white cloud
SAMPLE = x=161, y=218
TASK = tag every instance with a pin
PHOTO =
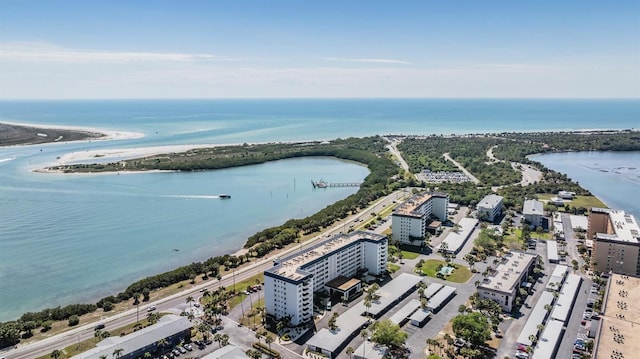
x=372, y=61
x=42, y=52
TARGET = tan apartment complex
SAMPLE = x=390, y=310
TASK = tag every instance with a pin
x=616, y=241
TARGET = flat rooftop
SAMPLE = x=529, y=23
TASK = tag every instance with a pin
x=292, y=267
x=535, y=318
x=532, y=207
x=624, y=225
x=392, y=291
x=566, y=298
x=552, y=251
x=405, y=311
x=621, y=318
x=342, y=283
x=558, y=275
x=409, y=207
x=507, y=273
x=490, y=201
x=549, y=340
x=456, y=240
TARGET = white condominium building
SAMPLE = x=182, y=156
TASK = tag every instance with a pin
x=411, y=219
x=290, y=284
x=503, y=283
x=616, y=241
x=490, y=207
x=533, y=211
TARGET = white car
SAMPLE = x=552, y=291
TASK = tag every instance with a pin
x=522, y=355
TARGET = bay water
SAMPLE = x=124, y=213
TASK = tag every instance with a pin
x=76, y=238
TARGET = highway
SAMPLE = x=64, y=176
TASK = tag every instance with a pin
x=169, y=304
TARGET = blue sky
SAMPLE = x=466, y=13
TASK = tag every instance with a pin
x=277, y=48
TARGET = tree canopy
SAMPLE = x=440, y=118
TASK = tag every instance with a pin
x=389, y=334
x=472, y=327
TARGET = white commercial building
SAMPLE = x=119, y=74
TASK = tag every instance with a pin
x=533, y=212
x=411, y=219
x=290, y=284
x=504, y=281
x=490, y=207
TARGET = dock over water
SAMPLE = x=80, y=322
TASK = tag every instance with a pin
x=324, y=184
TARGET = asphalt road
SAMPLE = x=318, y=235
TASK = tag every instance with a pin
x=170, y=303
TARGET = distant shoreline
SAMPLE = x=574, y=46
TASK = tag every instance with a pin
x=24, y=134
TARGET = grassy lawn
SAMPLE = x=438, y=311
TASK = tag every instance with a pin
x=410, y=255
x=579, y=201
x=392, y=267
x=460, y=275
x=241, y=287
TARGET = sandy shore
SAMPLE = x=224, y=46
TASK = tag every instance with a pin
x=106, y=134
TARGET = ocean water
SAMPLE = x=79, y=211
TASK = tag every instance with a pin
x=614, y=177
x=76, y=238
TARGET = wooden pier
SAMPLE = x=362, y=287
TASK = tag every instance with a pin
x=323, y=184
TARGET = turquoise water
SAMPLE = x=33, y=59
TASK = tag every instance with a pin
x=614, y=177
x=71, y=238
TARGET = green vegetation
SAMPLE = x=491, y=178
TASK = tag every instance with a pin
x=430, y=268
x=409, y=255
x=392, y=267
x=472, y=327
x=388, y=334
x=578, y=201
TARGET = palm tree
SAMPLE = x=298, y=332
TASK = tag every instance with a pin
x=162, y=343
x=259, y=336
x=147, y=355
x=224, y=340
x=268, y=340
x=350, y=351
x=118, y=353
x=189, y=300
x=218, y=338
x=364, y=334
x=56, y=354
x=253, y=354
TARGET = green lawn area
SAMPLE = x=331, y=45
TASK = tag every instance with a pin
x=514, y=236
x=392, y=267
x=579, y=201
x=460, y=275
x=241, y=287
x=410, y=255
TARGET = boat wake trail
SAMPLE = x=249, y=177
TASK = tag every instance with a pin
x=192, y=196
x=7, y=159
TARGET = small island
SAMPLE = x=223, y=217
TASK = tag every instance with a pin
x=13, y=135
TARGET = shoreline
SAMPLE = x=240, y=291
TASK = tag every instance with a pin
x=104, y=135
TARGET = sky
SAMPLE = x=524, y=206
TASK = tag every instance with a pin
x=104, y=49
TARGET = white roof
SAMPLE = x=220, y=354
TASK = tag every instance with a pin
x=552, y=251
x=579, y=221
x=443, y=294
x=405, y=311
x=352, y=320
x=393, y=290
x=532, y=207
x=371, y=350
x=227, y=352
x=535, y=318
x=565, y=300
x=432, y=289
x=548, y=341
x=454, y=240
x=559, y=272
x=420, y=315
x=508, y=272
x=166, y=326
x=490, y=201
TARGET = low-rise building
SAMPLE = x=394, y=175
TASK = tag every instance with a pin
x=490, y=207
x=289, y=286
x=504, y=281
x=566, y=194
x=411, y=219
x=455, y=240
x=533, y=212
x=616, y=241
x=172, y=328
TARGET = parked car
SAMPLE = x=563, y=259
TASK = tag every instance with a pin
x=176, y=352
x=182, y=350
x=522, y=355
x=188, y=347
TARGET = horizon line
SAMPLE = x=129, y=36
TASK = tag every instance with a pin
x=313, y=98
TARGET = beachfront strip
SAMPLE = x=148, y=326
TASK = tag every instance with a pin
x=421, y=213
x=290, y=285
x=616, y=241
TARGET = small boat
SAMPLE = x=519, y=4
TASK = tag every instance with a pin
x=224, y=196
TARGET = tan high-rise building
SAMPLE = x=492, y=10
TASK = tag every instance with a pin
x=616, y=241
